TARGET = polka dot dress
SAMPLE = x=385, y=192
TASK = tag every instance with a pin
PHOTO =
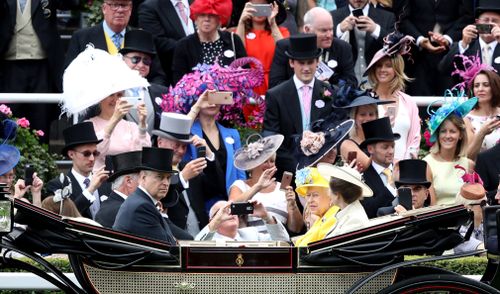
x=211, y=51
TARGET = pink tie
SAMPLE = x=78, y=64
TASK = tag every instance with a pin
x=182, y=12
x=306, y=100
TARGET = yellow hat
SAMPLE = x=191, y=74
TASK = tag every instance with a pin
x=309, y=177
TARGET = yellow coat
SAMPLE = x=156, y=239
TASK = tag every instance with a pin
x=320, y=228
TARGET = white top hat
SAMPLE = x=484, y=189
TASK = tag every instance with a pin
x=175, y=126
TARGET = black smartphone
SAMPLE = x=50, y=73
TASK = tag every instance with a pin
x=351, y=155
x=108, y=163
x=201, y=152
x=357, y=12
x=484, y=28
x=29, y=170
x=240, y=208
x=405, y=198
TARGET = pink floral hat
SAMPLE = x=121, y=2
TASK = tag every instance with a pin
x=471, y=66
x=394, y=43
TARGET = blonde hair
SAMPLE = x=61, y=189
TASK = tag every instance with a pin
x=354, y=111
x=459, y=123
x=400, y=78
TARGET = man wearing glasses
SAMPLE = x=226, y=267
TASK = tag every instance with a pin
x=138, y=53
x=480, y=38
x=87, y=187
x=110, y=36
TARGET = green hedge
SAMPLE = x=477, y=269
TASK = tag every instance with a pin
x=472, y=265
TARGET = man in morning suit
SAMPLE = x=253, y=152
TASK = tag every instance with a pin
x=168, y=21
x=124, y=180
x=192, y=185
x=293, y=105
x=109, y=36
x=87, y=187
x=379, y=141
x=435, y=25
x=475, y=43
x=365, y=33
x=336, y=55
x=488, y=167
x=30, y=55
x=139, y=214
x=138, y=53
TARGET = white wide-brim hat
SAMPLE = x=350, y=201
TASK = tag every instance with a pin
x=94, y=75
x=346, y=174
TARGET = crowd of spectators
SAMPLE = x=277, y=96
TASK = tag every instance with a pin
x=340, y=92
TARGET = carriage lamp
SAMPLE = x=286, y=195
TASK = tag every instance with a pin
x=6, y=211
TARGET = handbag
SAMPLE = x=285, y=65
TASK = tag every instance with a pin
x=472, y=189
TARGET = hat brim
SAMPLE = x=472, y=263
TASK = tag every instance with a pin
x=126, y=50
x=304, y=56
x=365, y=100
x=343, y=129
x=172, y=136
x=482, y=9
x=302, y=190
x=12, y=156
x=379, y=55
x=462, y=109
x=123, y=172
x=169, y=171
x=426, y=184
x=369, y=141
x=330, y=171
x=242, y=163
x=66, y=148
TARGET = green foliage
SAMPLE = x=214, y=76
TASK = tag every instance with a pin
x=94, y=13
x=472, y=265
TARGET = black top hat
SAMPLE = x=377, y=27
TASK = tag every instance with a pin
x=487, y=5
x=157, y=159
x=412, y=172
x=138, y=41
x=79, y=134
x=125, y=163
x=378, y=130
x=303, y=47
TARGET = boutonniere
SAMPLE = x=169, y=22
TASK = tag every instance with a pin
x=327, y=94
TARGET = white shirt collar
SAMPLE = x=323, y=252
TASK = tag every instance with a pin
x=378, y=168
x=121, y=194
x=492, y=44
x=110, y=32
x=299, y=83
x=149, y=195
x=80, y=178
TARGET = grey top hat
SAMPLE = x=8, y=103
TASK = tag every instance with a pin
x=175, y=126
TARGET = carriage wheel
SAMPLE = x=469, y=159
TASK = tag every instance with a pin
x=441, y=284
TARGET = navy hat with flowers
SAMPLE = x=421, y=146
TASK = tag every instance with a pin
x=456, y=106
x=349, y=97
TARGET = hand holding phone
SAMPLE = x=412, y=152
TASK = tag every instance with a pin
x=351, y=156
x=262, y=9
x=201, y=152
x=405, y=198
x=28, y=175
x=133, y=100
x=484, y=28
x=357, y=12
x=220, y=98
x=286, y=180
x=241, y=208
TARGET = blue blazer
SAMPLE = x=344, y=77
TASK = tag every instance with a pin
x=231, y=135
x=138, y=215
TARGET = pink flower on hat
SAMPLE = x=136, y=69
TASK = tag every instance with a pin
x=5, y=110
x=23, y=122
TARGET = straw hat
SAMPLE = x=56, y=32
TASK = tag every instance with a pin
x=346, y=174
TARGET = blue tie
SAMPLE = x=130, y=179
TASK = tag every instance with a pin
x=22, y=4
x=86, y=182
x=117, y=40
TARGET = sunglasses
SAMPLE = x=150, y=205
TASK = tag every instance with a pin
x=87, y=153
x=136, y=59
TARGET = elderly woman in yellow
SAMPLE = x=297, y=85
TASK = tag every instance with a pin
x=315, y=188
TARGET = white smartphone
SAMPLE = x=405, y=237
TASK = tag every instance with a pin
x=133, y=100
x=262, y=9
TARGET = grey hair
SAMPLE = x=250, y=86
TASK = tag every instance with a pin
x=119, y=181
x=215, y=208
x=311, y=14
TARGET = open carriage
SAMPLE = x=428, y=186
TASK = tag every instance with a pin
x=369, y=260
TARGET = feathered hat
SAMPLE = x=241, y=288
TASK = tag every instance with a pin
x=394, y=43
x=471, y=66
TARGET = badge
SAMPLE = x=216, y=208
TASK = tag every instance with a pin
x=332, y=63
x=229, y=140
x=319, y=103
x=158, y=100
x=251, y=36
x=497, y=60
x=104, y=198
x=229, y=53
